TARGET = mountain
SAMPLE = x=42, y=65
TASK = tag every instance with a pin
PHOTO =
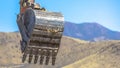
x=73, y=53
x=90, y=32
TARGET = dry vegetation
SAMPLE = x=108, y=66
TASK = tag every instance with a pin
x=73, y=53
x=9, y=49
x=107, y=56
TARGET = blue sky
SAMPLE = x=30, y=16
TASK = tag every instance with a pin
x=104, y=12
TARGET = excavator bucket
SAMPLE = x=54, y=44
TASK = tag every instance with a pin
x=41, y=33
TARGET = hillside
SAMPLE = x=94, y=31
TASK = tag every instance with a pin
x=9, y=48
x=106, y=57
x=71, y=50
x=90, y=31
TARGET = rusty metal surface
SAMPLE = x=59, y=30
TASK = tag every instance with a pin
x=44, y=32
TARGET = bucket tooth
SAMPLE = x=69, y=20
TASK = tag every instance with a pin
x=24, y=57
x=36, y=56
x=30, y=56
x=47, y=57
x=54, y=53
x=42, y=57
x=53, y=60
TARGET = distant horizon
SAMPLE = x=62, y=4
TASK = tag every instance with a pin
x=72, y=23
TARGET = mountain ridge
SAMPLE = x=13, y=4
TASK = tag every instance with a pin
x=90, y=31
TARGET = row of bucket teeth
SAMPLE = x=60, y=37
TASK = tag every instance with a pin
x=39, y=55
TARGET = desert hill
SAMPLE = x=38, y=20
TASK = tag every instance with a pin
x=9, y=48
x=107, y=57
x=73, y=53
